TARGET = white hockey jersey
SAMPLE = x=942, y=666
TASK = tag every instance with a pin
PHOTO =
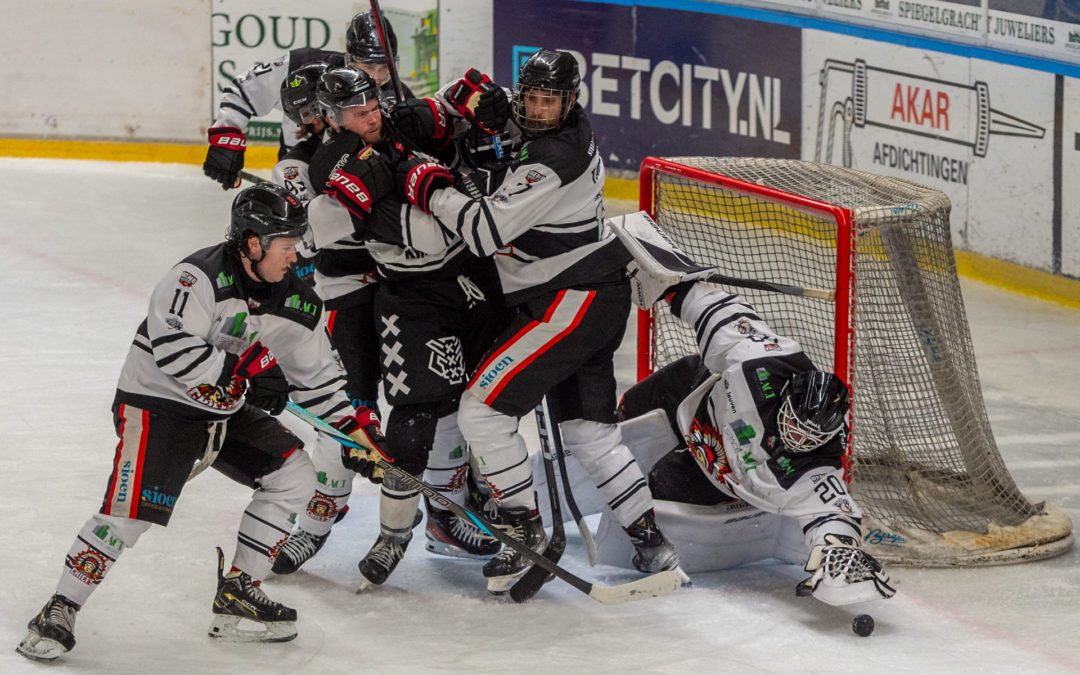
x=729, y=421
x=205, y=307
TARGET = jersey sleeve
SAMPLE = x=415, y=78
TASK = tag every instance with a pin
x=180, y=314
x=721, y=321
x=527, y=197
x=252, y=93
x=315, y=373
x=819, y=500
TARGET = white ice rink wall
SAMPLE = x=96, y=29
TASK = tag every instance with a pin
x=959, y=94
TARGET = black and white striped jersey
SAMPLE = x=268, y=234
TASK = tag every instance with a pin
x=545, y=222
x=207, y=306
x=729, y=421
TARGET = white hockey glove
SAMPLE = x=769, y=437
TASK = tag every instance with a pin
x=843, y=573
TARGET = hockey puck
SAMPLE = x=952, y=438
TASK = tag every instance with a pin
x=863, y=625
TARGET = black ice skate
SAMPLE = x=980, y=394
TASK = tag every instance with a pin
x=239, y=597
x=381, y=560
x=300, y=547
x=504, y=569
x=655, y=552
x=52, y=631
x=449, y=535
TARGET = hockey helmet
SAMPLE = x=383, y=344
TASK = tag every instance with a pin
x=362, y=39
x=267, y=211
x=551, y=72
x=341, y=88
x=298, y=93
x=813, y=407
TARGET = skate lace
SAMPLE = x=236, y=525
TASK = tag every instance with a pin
x=254, y=593
x=300, y=546
x=386, y=553
x=508, y=553
x=467, y=532
x=61, y=614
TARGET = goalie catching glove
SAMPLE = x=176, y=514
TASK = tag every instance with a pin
x=480, y=101
x=843, y=573
x=358, y=182
x=363, y=427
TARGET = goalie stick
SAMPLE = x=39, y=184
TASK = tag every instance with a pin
x=663, y=264
x=651, y=586
x=530, y=582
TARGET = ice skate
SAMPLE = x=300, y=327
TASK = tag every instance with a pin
x=447, y=534
x=504, y=569
x=51, y=631
x=655, y=552
x=239, y=597
x=300, y=547
x=381, y=560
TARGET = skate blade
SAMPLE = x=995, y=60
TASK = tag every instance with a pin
x=224, y=628
x=442, y=548
x=37, y=648
x=501, y=585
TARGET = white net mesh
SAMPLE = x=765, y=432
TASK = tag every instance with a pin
x=924, y=464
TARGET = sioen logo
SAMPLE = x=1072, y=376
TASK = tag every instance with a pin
x=152, y=496
x=495, y=370
x=125, y=475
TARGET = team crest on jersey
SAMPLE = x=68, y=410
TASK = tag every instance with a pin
x=187, y=279
x=174, y=323
x=707, y=448
x=218, y=398
x=291, y=172
x=88, y=566
x=534, y=176
x=446, y=360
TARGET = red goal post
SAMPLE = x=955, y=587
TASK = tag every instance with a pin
x=922, y=460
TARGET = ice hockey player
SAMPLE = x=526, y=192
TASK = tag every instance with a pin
x=255, y=92
x=436, y=314
x=228, y=333
x=563, y=274
x=755, y=421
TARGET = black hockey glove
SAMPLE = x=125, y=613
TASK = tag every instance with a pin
x=418, y=179
x=363, y=427
x=267, y=387
x=225, y=156
x=422, y=120
x=358, y=182
x=480, y=101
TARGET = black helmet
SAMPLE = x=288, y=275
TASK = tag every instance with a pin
x=298, y=93
x=342, y=88
x=553, y=71
x=813, y=408
x=267, y=211
x=362, y=39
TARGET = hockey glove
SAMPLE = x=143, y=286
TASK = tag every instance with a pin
x=267, y=387
x=422, y=120
x=417, y=180
x=358, y=182
x=225, y=156
x=363, y=427
x=843, y=573
x=480, y=101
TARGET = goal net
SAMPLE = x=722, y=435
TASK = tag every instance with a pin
x=922, y=460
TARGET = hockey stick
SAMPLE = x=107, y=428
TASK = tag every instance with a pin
x=251, y=178
x=377, y=14
x=527, y=586
x=586, y=533
x=651, y=586
x=660, y=258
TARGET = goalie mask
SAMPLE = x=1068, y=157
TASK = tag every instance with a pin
x=267, y=211
x=545, y=91
x=298, y=93
x=813, y=408
x=342, y=88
